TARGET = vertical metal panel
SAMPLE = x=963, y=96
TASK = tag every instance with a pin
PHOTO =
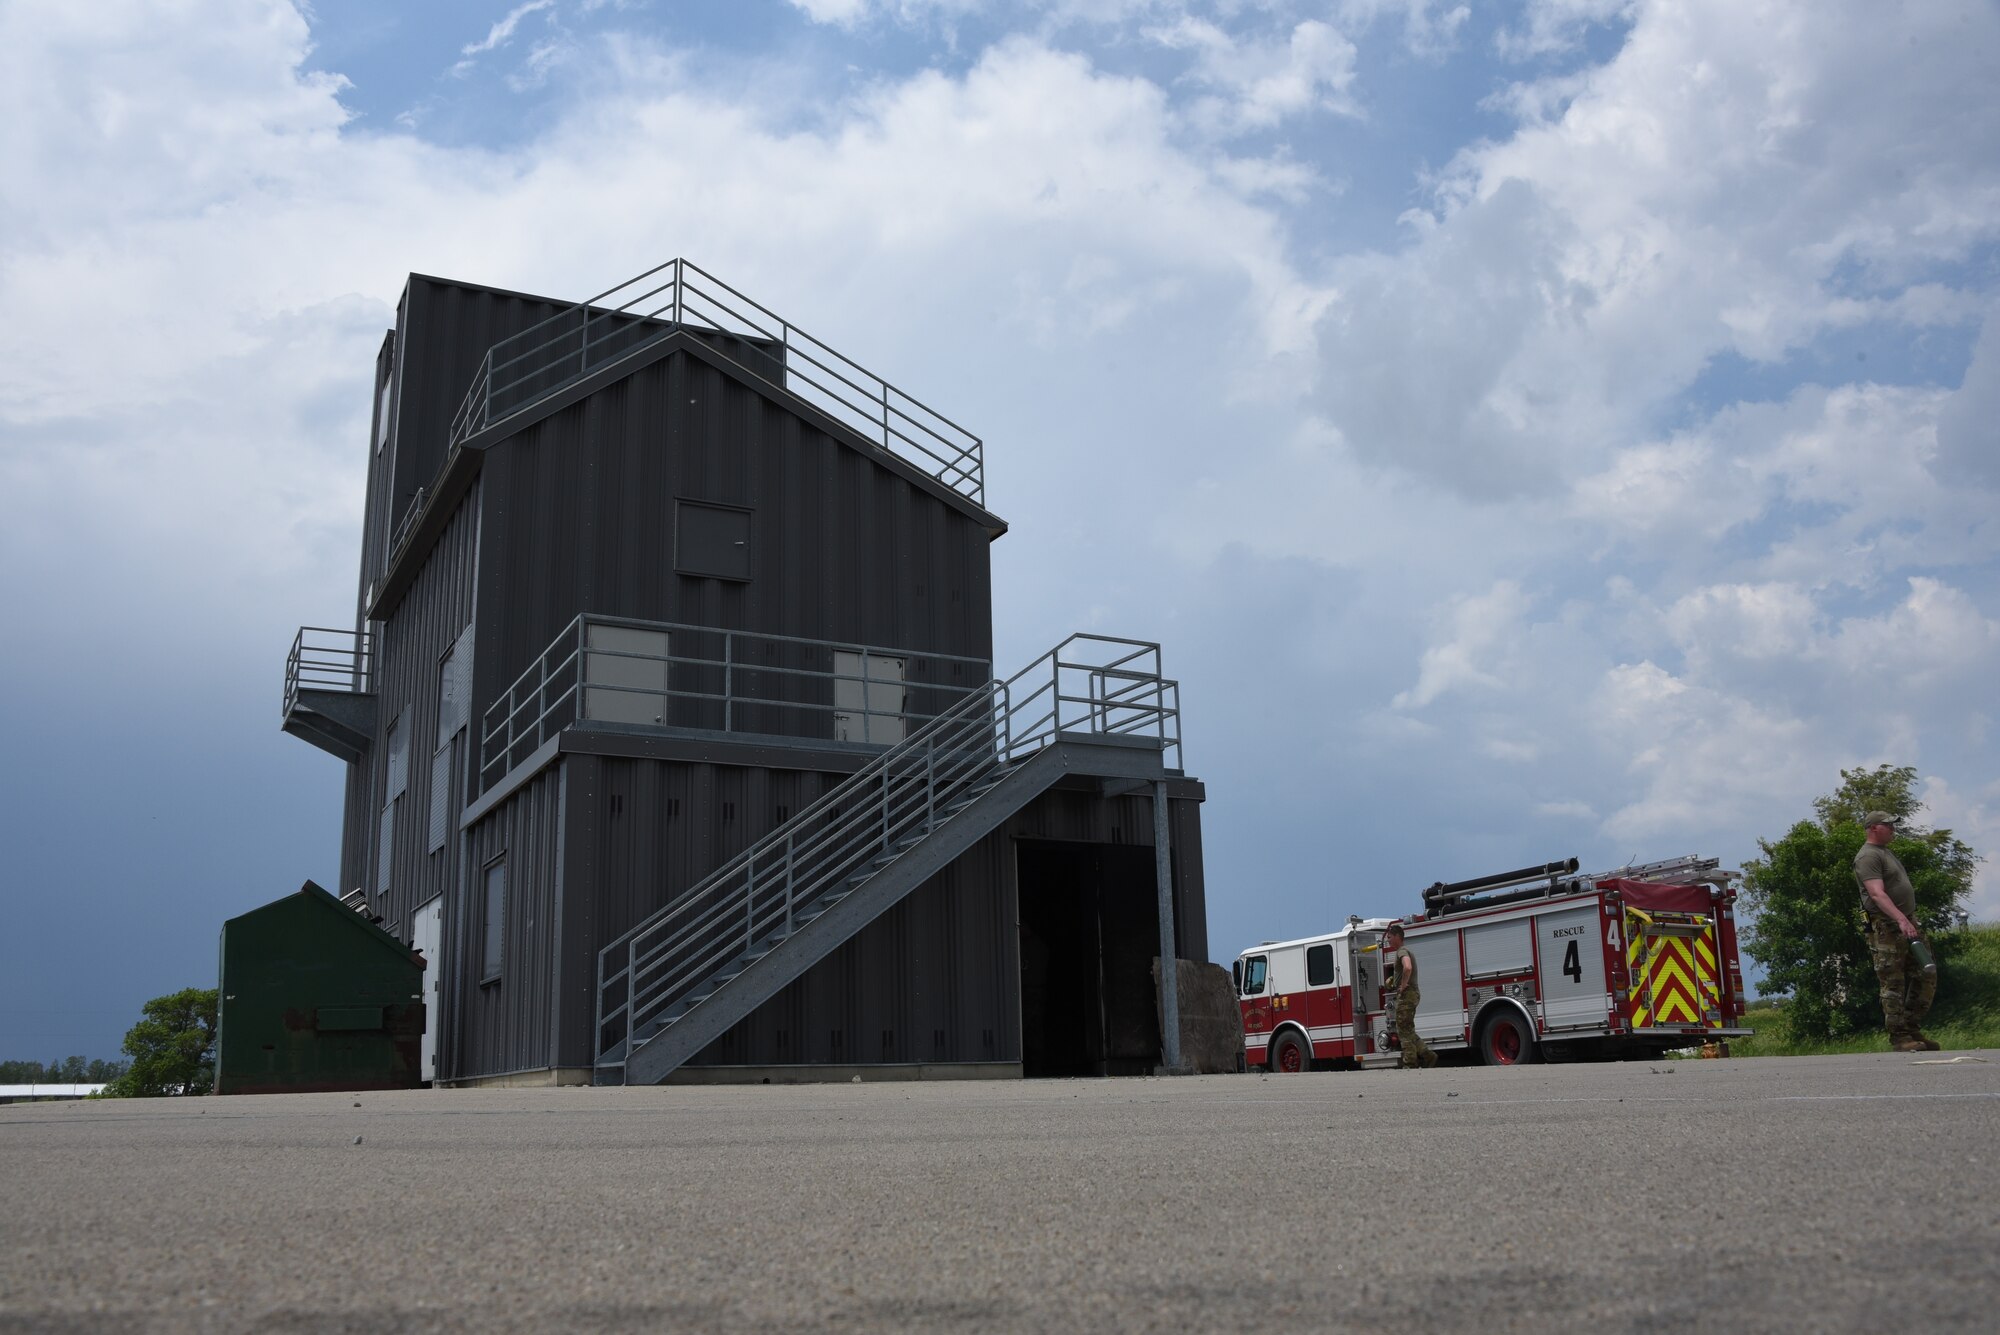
x=381, y=467
x=504, y=1024
x=580, y=509
x=410, y=651
x=356, y=828
x=443, y=330
x=937, y=978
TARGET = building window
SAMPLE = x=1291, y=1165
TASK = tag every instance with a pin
x=625, y=674
x=385, y=393
x=454, y=708
x=712, y=540
x=493, y=917
x=396, y=781
x=869, y=698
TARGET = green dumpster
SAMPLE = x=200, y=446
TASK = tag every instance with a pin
x=316, y=997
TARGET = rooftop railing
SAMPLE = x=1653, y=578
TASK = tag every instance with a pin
x=650, y=674
x=325, y=659
x=528, y=367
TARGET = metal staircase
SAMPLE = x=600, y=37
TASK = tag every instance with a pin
x=680, y=979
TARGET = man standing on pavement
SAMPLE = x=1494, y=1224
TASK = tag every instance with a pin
x=1401, y=971
x=1891, y=905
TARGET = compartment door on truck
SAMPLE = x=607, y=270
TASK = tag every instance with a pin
x=1440, y=985
x=1572, y=968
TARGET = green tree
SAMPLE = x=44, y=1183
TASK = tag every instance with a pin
x=172, y=1048
x=1806, y=921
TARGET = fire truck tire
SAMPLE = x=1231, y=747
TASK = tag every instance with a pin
x=1289, y=1055
x=1507, y=1040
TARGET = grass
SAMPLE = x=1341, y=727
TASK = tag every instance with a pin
x=1965, y=1015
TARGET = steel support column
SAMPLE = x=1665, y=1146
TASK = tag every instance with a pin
x=1170, y=1000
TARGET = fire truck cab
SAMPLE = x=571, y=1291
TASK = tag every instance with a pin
x=1315, y=999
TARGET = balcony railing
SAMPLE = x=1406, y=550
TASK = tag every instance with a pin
x=528, y=367
x=654, y=674
x=325, y=659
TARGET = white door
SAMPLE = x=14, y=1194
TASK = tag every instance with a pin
x=427, y=937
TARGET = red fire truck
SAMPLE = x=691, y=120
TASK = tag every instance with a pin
x=1513, y=967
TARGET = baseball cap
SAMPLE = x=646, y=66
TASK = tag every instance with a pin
x=1877, y=818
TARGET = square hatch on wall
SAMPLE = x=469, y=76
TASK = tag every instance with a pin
x=711, y=540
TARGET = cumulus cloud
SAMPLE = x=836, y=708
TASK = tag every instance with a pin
x=1701, y=759
x=1478, y=635
x=1260, y=83
x=1968, y=431
x=1733, y=182
x=1973, y=816
x=1934, y=638
x=1551, y=26
x=845, y=12
x=1751, y=621
x=1430, y=28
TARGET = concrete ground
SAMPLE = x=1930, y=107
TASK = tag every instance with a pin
x=1785, y=1194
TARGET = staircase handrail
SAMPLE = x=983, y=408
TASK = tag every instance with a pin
x=869, y=818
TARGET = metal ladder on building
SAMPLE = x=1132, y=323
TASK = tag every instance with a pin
x=681, y=978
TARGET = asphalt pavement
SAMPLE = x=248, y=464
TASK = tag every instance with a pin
x=1779, y=1194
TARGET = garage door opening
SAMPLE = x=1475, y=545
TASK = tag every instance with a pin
x=1089, y=931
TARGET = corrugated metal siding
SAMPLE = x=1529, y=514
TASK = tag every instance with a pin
x=410, y=648
x=381, y=469
x=580, y=514
x=443, y=332
x=505, y=1025
x=935, y=979
x=357, y=849
x=934, y=974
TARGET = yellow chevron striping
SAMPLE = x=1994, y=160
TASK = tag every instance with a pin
x=1672, y=971
x=1673, y=977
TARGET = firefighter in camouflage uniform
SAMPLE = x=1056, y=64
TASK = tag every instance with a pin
x=1400, y=977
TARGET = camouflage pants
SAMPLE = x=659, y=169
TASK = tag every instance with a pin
x=1416, y=1052
x=1906, y=989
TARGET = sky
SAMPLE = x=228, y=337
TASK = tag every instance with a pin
x=1535, y=430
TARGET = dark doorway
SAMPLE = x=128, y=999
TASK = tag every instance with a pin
x=1090, y=928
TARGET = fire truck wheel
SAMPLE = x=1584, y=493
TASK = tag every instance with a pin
x=1506, y=1040
x=1288, y=1055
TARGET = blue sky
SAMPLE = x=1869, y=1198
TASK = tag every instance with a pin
x=1542, y=429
